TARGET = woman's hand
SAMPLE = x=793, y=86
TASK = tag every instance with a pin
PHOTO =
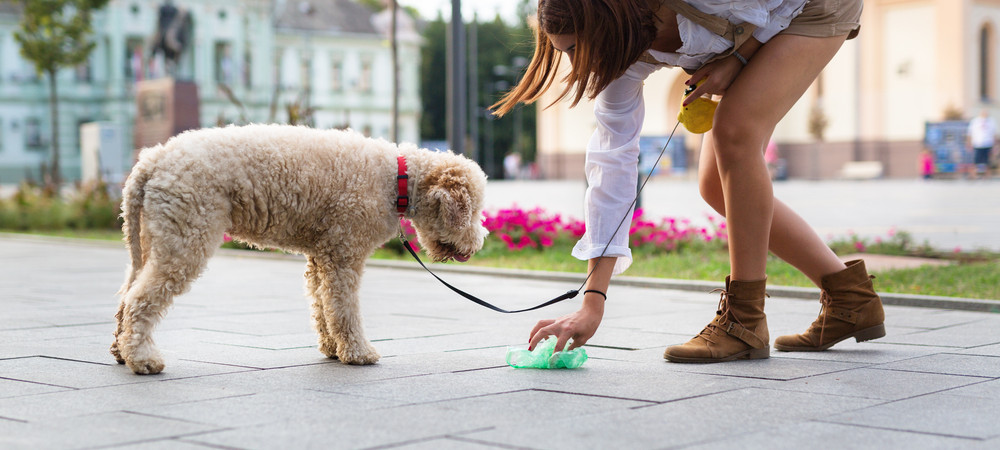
x=718, y=75
x=580, y=326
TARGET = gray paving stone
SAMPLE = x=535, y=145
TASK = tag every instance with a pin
x=982, y=332
x=942, y=414
x=985, y=350
x=449, y=443
x=878, y=383
x=276, y=407
x=16, y=388
x=870, y=352
x=819, y=436
x=84, y=374
x=982, y=390
x=930, y=319
x=315, y=376
x=375, y=427
x=97, y=430
x=950, y=363
x=165, y=444
x=80, y=402
x=773, y=368
x=680, y=423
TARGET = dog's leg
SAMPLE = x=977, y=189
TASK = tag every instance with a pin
x=338, y=291
x=314, y=286
x=178, y=253
x=118, y=331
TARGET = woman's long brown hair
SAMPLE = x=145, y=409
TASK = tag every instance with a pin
x=611, y=35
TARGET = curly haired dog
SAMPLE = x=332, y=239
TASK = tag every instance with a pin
x=330, y=195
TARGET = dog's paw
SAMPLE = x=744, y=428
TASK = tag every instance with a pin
x=360, y=355
x=151, y=366
x=144, y=360
x=328, y=347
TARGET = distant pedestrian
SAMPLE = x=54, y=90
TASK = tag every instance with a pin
x=771, y=158
x=512, y=166
x=926, y=164
x=982, y=137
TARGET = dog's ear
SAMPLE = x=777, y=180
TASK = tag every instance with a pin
x=450, y=195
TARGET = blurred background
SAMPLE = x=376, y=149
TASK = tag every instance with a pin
x=110, y=77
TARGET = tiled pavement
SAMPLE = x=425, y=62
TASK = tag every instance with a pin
x=243, y=370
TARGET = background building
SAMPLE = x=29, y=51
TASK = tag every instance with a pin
x=251, y=61
x=915, y=61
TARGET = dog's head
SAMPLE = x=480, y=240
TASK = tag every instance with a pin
x=449, y=208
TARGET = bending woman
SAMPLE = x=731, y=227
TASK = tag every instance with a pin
x=760, y=56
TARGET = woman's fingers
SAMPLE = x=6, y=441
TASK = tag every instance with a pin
x=561, y=343
x=538, y=326
x=541, y=331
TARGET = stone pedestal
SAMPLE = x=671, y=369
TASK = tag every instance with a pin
x=165, y=107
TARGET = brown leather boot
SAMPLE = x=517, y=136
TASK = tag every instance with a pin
x=851, y=308
x=739, y=330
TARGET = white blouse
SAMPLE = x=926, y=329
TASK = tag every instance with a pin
x=613, y=150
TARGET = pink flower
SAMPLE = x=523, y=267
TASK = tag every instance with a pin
x=860, y=246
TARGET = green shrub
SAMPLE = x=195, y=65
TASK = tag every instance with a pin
x=33, y=208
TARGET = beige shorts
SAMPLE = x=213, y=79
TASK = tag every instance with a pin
x=827, y=18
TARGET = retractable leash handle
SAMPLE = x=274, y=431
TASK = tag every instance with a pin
x=569, y=294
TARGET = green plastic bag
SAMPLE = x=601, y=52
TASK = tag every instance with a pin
x=544, y=357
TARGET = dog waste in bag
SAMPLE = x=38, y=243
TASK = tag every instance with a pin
x=544, y=358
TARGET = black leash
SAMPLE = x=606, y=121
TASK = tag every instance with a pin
x=474, y=299
x=569, y=294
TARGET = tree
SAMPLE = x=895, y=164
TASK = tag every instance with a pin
x=500, y=47
x=54, y=34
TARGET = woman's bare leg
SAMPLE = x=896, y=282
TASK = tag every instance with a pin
x=791, y=238
x=757, y=99
x=779, y=73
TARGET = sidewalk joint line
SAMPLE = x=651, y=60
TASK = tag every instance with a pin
x=902, y=430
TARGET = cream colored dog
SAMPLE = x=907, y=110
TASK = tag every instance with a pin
x=330, y=195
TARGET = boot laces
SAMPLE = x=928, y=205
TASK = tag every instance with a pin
x=825, y=301
x=722, y=313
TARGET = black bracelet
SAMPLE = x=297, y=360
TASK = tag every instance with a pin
x=740, y=57
x=597, y=292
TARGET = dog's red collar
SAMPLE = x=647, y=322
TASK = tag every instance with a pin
x=402, y=200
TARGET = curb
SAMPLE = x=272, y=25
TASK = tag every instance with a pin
x=801, y=293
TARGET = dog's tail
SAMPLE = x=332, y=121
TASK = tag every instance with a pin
x=132, y=198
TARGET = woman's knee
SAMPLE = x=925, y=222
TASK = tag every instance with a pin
x=737, y=136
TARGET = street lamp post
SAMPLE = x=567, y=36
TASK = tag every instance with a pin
x=457, y=100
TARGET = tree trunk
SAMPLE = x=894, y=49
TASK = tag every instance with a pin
x=55, y=175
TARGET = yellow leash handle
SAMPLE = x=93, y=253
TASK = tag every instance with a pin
x=697, y=116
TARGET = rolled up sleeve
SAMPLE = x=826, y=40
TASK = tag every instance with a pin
x=612, y=169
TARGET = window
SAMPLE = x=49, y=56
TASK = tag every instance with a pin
x=246, y=69
x=33, y=133
x=337, y=76
x=134, y=67
x=305, y=66
x=224, y=64
x=986, y=61
x=365, y=79
x=82, y=72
